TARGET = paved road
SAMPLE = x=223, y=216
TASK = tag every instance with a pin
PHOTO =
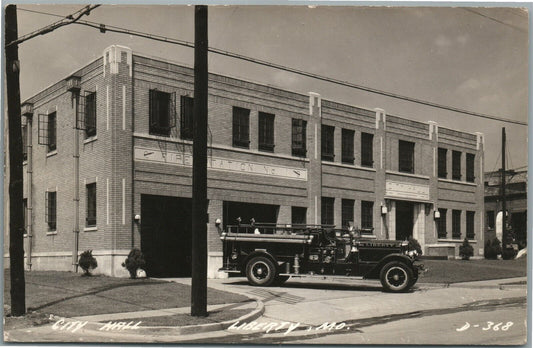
x=304, y=312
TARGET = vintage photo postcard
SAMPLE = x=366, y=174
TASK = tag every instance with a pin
x=242, y=174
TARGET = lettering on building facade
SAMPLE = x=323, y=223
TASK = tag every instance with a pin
x=220, y=163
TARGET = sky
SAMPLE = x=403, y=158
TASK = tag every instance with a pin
x=468, y=58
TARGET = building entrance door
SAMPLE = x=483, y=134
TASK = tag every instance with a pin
x=404, y=220
x=166, y=229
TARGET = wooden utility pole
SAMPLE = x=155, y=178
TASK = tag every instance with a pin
x=502, y=187
x=16, y=214
x=199, y=167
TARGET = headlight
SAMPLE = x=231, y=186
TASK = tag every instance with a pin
x=412, y=253
x=234, y=255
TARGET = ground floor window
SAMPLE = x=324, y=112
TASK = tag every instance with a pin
x=328, y=211
x=51, y=210
x=367, y=214
x=441, y=223
x=470, y=224
x=299, y=215
x=347, y=212
x=456, y=224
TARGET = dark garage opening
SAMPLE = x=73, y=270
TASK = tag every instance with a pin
x=166, y=229
x=262, y=213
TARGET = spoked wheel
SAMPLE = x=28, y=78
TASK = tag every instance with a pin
x=396, y=277
x=260, y=271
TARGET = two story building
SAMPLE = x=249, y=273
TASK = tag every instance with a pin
x=109, y=163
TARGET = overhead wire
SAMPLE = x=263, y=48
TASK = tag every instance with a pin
x=70, y=19
x=105, y=28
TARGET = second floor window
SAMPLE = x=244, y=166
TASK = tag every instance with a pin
x=162, y=117
x=367, y=215
x=90, y=218
x=90, y=115
x=441, y=224
x=46, y=131
x=186, y=118
x=299, y=137
x=347, y=146
x=367, y=150
x=51, y=209
x=442, y=154
x=328, y=205
x=328, y=143
x=241, y=127
x=406, y=156
x=456, y=165
x=266, y=132
x=456, y=224
x=347, y=212
x=470, y=177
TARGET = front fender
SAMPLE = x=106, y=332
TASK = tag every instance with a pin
x=374, y=272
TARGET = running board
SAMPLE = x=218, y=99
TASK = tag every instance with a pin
x=324, y=276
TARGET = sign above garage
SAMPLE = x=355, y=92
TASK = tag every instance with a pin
x=218, y=163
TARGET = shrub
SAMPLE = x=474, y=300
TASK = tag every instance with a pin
x=466, y=251
x=133, y=262
x=414, y=245
x=87, y=262
x=492, y=248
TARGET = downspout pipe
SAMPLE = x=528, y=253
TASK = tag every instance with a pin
x=73, y=86
x=27, y=111
x=29, y=172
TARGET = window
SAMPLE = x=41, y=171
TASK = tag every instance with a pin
x=90, y=115
x=328, y=133
x=162, y=117
x=266, y=132
x=51, y=209
x=456, y=224
x=490, y=219
x=442, y=162
x=186, y=118
x=470, y=215
x=328, y=211
x=347, y=146
x=90, y=219
x=456, y=165
x=406, y=157
x=46, y=131
x=52, y=132
x=24, y=143
x=367, y=214
x=299, y=137
x=347, y=212
x=241, y=127
x=441, y=224
x=299, y=215
x=470, y=167
x=367, y=150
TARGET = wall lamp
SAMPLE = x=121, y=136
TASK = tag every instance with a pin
x=384, y=210
x=436, y=214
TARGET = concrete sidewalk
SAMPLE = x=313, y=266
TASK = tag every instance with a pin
x=302, y=302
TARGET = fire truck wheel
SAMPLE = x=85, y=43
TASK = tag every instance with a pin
x=396, y=277
x=261, y=271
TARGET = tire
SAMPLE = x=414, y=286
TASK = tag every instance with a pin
x=396, y=276
x=261, y=271
x=280, y=280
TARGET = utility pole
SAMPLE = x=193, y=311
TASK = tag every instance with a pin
x=16, y=215
x=502, y=187
x=199, y=167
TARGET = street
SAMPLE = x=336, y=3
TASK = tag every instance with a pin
x=325, y=312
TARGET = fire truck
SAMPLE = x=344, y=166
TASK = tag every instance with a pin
x=269, y=254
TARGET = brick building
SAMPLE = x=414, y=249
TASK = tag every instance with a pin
x=516, y=203
x=274, y=155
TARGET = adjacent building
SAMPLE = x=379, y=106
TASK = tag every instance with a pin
x=516, y=203
x=109, y=161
